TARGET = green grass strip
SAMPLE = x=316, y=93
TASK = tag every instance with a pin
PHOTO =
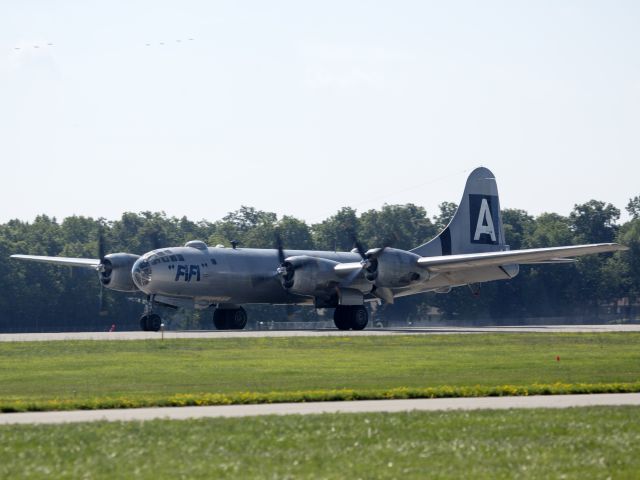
x=242, y=398
x=573, y=443
x=94, y=374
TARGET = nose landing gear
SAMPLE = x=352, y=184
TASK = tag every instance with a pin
x=150, y=322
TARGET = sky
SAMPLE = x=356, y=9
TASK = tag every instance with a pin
x=198, y=107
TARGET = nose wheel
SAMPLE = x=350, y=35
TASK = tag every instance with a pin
x=150, y=322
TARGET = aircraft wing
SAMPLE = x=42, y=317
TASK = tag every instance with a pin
x=72, y=262
x=343, y=269
x=448, y=263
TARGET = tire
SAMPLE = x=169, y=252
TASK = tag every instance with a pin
x=358, y=317
x=340, y=317
x=236, y=319
x=350, y=317
x=220, y=319
x=154, y=322
x=150, y=323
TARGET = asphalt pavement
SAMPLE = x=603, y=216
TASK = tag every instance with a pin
x=169, y=334
x=363, y=406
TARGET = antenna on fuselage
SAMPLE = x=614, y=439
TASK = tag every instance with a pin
x=234, y=244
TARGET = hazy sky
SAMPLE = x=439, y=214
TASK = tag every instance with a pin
x=196, y=108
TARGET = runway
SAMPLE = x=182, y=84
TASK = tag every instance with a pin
x=213, y=334
x=365, y=406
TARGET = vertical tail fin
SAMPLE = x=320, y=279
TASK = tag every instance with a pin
x=477, y=224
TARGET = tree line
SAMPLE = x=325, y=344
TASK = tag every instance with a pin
x=40, y=297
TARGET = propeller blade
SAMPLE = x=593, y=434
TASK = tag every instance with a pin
x=101, y=310
x=101, y=246
x=359, y=247
x=281, y=256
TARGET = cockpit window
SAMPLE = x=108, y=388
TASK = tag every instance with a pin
x=180, y=258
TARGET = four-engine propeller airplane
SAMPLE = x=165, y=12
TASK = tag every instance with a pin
x=471, y=249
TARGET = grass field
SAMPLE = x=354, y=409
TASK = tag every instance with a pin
x=600, y=442
x=94, y=374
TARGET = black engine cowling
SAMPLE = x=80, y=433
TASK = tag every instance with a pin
x=115, y=272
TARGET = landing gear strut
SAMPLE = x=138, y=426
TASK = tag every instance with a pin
x=350, y=317
x=229, y=318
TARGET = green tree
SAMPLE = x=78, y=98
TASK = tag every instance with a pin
x=400, y=226
x=594, y=221
x=633, y=207
x=336, y=232
x=447, y=211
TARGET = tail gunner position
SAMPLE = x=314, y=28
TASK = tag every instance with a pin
x=471, y=249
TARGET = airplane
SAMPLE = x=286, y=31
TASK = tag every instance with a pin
x=470, y=250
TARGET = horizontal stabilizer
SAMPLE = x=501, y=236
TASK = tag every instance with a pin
x=72, y=262
x=448, y=263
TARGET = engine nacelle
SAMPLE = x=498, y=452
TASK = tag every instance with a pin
x=309, y=275
x=116, y=272
x=395, y=268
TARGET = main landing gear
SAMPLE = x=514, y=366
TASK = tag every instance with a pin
x=230, y=318
x=350, y=317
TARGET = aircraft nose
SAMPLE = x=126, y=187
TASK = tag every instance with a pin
x=141, y=273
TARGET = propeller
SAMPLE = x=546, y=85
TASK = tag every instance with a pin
x=369, y=258
x=286, y=272
x=104, y=269
x=285, y=269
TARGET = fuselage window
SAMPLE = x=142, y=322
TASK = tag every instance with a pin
x=173, y=258
x=213, y=261
x=180, y=258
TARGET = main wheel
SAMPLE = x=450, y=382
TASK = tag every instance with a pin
x=220, y=319
x=341, y=318
x=236, y=318
x=230, y=319
x=359, y=317
x=350, y=317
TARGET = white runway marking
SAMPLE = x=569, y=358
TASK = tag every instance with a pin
x=432, y=404
x=33, y=337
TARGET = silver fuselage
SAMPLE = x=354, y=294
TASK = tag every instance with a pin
x=248, y=275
